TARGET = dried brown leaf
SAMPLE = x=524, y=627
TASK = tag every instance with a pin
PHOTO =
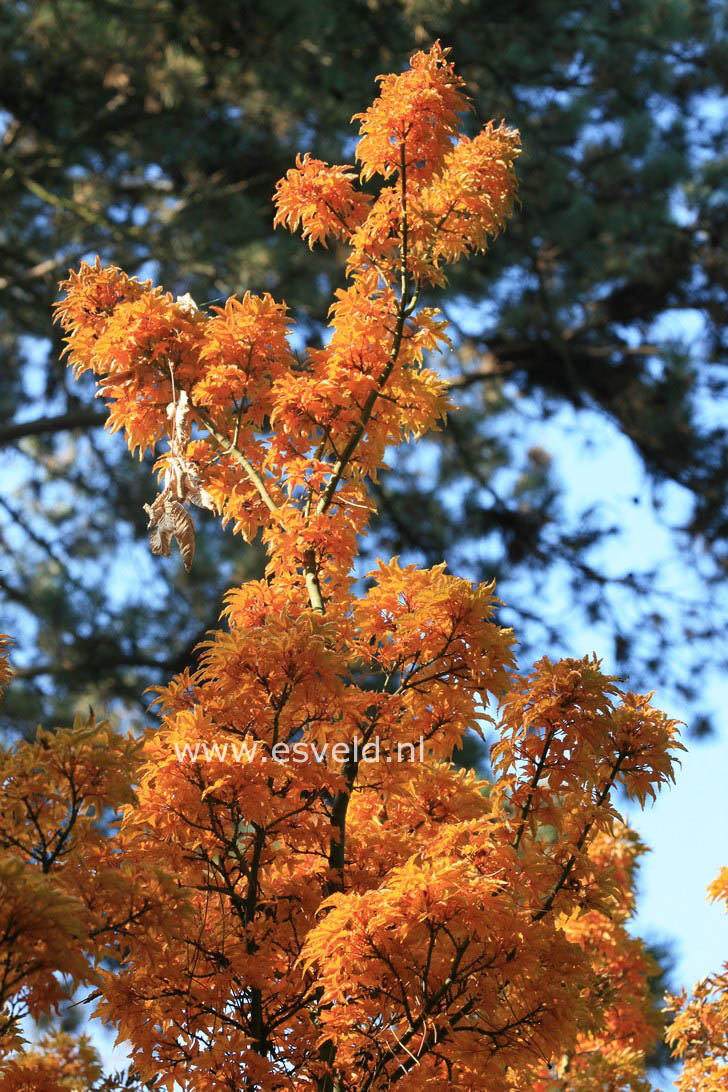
x=184, y=530
x=168, y=520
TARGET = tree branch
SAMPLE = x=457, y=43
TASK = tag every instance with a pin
x=313, y=587
x=82, y=418
x=404, y=308
x=532, y=788
x=566, y=871
x=228, y=449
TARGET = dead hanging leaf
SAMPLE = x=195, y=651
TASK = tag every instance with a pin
x=184, y=481
x=184, y=531
x=179, y=414
x=182, y=475
x=169, y=520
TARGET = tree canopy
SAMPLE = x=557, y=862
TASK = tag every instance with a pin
x=287, y=884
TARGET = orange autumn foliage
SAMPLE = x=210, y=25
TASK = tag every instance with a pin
x=314, y=897
x=67, y=894
x=59, y=1062
x=698, y=1033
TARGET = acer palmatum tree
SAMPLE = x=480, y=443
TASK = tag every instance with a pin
x=308, y=894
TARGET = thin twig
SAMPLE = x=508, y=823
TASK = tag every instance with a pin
x=405, y=308
x=228, y=449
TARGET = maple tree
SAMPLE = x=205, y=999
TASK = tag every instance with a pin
x=302, y=891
